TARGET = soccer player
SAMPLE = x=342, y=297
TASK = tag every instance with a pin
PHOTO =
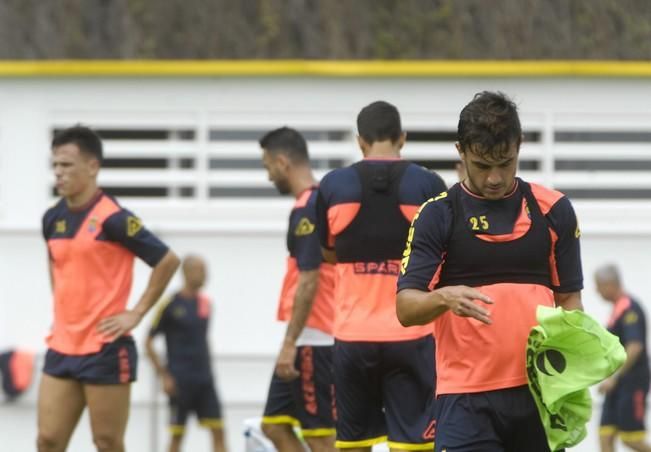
x=92, y=241
x=187, y=377
x=384, y=372
x=479, y=260
x=625, y=402
x=16, y=370
x=301, y=390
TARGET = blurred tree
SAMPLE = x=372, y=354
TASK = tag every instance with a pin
x=326, y=29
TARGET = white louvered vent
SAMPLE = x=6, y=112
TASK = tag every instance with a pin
x=187, y=166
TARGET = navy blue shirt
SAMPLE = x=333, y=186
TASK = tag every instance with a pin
x=122, y=227
x=184, y=322
x=302, y=239
x=628, y=323
x=506, y=219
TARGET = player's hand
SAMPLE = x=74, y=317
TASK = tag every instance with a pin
x=607, y=385
x=119, y=325
x=461, y=300
x=169, y=384
x=285, y=363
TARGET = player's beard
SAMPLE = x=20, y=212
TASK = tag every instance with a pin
x=283, y=187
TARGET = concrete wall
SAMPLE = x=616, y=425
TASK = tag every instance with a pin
x=243, y=238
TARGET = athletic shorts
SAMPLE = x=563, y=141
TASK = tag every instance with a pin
x=308, y=401
x=504, y=420
x=623, y=410
x=115, y=363
x=194, y=396
x=385, y=391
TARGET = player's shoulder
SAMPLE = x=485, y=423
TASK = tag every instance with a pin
x=54, y=211
x=204, y=296
x=340, y=185
x=437, y=207
x=337, y=176
x=118, y=216
x=420, y=173
x=635, y=305
x=547, y=198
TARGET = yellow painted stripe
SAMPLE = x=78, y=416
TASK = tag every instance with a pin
x=211, y=422
x=281, y=420
x=410, y=446
x=324, y=68
x=362, y=443
x=632, y=436
x=317, y=432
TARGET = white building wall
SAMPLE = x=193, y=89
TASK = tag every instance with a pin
x=243, y=239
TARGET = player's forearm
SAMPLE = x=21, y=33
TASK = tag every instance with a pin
x=633, y=351
x=329, y=255
x=308, y=283
x=417, y=307
x=569, y=301
x=160, y=277
x=153, y=357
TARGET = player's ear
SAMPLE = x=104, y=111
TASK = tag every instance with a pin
x=282, y=160
x=402, y=139
x=460, y=151
x=363, y=145
x=93, y=166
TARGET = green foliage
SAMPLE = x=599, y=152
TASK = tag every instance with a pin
x=326, y=29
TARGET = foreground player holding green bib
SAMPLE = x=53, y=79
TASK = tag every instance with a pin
x=479, y=260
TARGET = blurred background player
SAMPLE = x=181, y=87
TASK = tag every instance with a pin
x=16, y=371
x=384, y=372
x=301, y=390
x=480, y=259
x=624, y=406
x=188, y=378
x=91, y=242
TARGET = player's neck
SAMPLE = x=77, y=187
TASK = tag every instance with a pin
x=618, y=296
x=382, y=150
x=82, y=199
x=188, y=292
x=302, y=180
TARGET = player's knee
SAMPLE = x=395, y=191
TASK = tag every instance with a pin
x=635, y=445
x=321, y=443
x=105, y=442
x=48, y=443
x=276, y=431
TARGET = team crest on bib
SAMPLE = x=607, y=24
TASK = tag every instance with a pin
x=134, y=224
x=60, y=227
x=304, y=227
x=92, y=225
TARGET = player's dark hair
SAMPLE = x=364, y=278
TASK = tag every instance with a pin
x=379, y=121
x=85, y=138
x=489, y=125
x=288, y=141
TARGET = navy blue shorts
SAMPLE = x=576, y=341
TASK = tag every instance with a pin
x=197, y=396
x=385, y=392
x=308, y=401
x=624, y=409
x=505, y=420
x=115, y=363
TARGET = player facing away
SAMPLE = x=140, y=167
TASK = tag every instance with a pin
x=187, y=378
x=479, y=260
x=92, y=241
x=384, y=372
x=302, y=387
x=624, y=407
